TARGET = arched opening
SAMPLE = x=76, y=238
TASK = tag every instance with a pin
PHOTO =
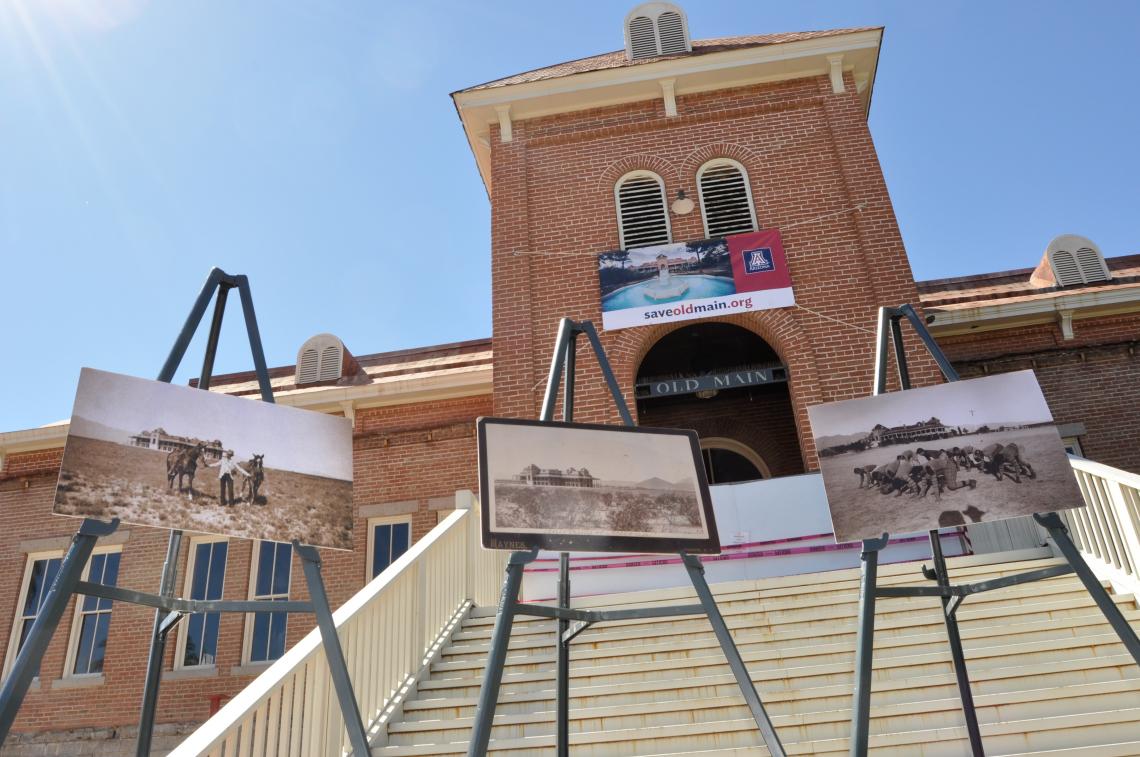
x=731, y=387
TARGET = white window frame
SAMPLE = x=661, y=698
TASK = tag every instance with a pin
x=716, y=163
x=247, y=635
x=191, y=557
x=77, y=616
x=17, y=618
x=639, y=174
x=1075, y=443
x=386, y=520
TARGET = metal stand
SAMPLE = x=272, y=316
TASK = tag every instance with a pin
x=572, y=622
x=952, y=596
x=169, y=610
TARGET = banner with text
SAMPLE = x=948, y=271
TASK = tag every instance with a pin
x=687, y=280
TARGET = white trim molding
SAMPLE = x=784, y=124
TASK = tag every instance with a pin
x=1063, y=307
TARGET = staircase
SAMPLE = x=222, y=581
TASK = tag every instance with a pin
x=1049, y=675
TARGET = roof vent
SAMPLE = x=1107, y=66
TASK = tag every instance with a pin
x=321, y=359
x=653, y=29
x=1069, y=260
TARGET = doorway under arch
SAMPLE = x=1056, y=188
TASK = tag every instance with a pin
x=730, y=386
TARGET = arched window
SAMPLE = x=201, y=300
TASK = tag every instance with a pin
x=653, y=29
x=320, y=358
x=642, y=216
x=728, y=461
x=726, y=199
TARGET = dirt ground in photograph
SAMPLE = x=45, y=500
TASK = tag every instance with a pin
x=860, y=513
x=598, y=509
x=100, y=479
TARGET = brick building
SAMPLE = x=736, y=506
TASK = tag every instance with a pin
x=766, y=131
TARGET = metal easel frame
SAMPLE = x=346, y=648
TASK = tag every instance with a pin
x=169, y=610
x=952, y=596
x=572, y=622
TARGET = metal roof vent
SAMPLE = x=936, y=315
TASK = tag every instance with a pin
x=320, y=359
x=653, y=29
x=1071, y=260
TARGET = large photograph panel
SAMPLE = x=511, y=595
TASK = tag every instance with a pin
x=598, y=488
x=156, y=454
x=958, y=453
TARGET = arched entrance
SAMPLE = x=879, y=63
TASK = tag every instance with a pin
x=730, y=386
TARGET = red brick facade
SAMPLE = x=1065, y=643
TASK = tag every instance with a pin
x=810, y=164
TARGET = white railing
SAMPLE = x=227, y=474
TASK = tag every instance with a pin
x=1107, y=529
x=390, y=630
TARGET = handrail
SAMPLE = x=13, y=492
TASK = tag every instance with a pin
x=390, y=630
x=1107, y=528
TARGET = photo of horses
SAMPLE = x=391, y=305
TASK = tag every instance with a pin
x=965, y=452
x=575, y=487
x=157, y=454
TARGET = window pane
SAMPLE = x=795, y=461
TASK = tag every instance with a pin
x=201, y=571
x=400, y=536
x=381, y=548
x=265, y=552
x=281, y=569
x=259, y=647
x=277, y=634
x=210, y=639
x=217, y=570
x=194, y=627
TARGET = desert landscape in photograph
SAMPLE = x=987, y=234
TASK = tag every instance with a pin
x=104, y=480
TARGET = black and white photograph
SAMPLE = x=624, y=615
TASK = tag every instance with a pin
x=157, y=454
x=965, y=452
x=594, y=488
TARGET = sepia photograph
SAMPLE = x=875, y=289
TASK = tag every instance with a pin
x=157, y=454
x=590, y=487
x=965, y=452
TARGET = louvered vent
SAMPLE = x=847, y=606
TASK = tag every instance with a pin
x=308, y=367
x=1084, y=266
x=1092, y=265
x=672, y=32
x=331, y=362
x=1065, y=269
x=320, y=358
x=653, y=29
x=725, y=200
x=642, y=218
x=642, y=41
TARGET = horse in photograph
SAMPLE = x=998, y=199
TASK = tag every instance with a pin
x=183, y=463
x=252, y=485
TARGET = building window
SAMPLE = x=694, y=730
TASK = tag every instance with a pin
x=93, y=618
x=642, y=216
x=726, y=199
x=205, y=577
x=387, y=540
x=272, y=564
x=39, y=573
x=1072, y=445
x=728, y=461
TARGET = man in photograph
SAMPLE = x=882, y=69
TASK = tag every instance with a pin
x=226, y=468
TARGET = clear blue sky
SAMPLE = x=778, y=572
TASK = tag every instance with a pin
x=313, y=146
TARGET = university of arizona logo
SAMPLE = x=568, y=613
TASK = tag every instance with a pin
x=758, y=260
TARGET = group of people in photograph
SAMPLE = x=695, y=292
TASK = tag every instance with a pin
x=918, y=471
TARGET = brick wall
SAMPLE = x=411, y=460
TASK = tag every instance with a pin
x=408, y=460
x=808, y=153
x=1091, y=379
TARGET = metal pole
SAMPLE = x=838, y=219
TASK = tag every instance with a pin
x=924, y=334
x=591, y=333
x=865, y=646
x=956, y=653
x=562, y=674
x=500, y=640
x=27, y=663
x=1060, y=534
x=724, y=636
x=334, y=654
x=880, y=385
x=259, y=365
x=212, y=341
x=565, y=327
x=190, y=326
x=900, y=353
x=157, y=648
